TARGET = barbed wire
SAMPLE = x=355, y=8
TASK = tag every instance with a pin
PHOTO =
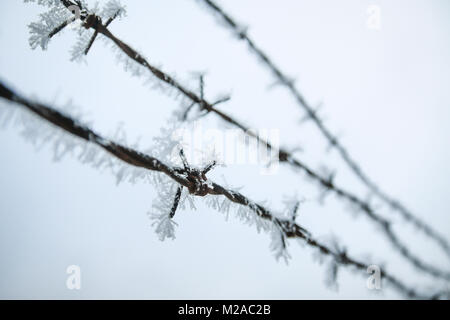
x=91, y=20
x=332, y=139
x=198, y=185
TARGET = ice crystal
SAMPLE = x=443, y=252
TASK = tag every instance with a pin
x=279, y=243
x=113, y=9
x=40, y=31
x=165, y=226
x=78, y=50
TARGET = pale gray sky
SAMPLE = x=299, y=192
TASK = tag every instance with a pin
x=386, y=93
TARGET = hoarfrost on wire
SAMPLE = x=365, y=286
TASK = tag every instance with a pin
x=57, y=14
x=166, y=147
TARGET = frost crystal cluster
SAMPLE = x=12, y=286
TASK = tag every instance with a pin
x=58, y=17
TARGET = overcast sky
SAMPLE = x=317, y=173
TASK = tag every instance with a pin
x=385, y=92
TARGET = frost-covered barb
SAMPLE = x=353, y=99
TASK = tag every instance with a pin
x=279, y=243
x=170, y=195
x=340, y=254
x=62, y=13
x=292, y=206
x=201, y=106
x=165, y=226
